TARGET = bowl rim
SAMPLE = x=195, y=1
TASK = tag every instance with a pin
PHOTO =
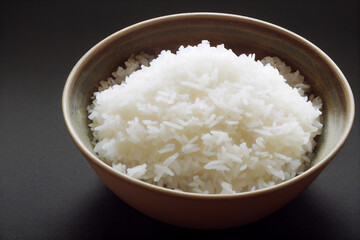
x=98, y=163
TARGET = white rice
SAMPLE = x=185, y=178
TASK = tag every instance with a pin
x=205, y=120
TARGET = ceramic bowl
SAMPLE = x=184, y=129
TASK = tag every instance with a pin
x=242, y=35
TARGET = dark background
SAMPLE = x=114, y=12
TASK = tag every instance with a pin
x=48, y=191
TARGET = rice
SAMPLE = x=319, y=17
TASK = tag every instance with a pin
x=205, y=120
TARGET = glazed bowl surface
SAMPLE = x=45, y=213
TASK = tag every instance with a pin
x=242, y=35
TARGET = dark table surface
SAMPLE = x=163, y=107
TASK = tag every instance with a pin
x=48, y=191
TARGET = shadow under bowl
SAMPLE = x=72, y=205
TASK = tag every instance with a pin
x=242, y=35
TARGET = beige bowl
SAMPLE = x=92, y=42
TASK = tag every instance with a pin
x=242, y=35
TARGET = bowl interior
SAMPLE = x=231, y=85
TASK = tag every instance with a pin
x=242, y=35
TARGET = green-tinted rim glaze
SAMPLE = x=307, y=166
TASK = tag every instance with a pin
x=350, y=111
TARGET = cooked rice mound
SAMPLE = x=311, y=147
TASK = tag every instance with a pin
x=205, y=120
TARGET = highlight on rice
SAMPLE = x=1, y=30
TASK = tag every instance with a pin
x=206, y=120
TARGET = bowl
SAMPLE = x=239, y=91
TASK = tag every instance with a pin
x=242, y=35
